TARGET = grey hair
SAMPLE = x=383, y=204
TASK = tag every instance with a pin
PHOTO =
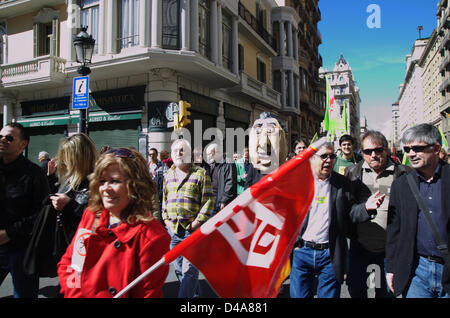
x=177, y=141
x=328, y=145
x=212, y=146
x=44, y=154
x=424, y=132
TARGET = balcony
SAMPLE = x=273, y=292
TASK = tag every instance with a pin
x=44, y=71
x=257, y=91
x=253, y=28
x=444, y=87
x=13, y=8
x=445, y=65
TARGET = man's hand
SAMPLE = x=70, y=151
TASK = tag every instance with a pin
x=375, y=201
x=51, y=166
x=390, y=281
x=59, y=201
x=3, y=237
x=195, y=225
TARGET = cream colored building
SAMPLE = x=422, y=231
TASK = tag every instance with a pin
x=443, y=33
x=430, y=63
x=230, y=59
x=345, y=91
x=410, y=101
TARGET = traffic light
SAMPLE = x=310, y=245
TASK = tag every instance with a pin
x=184, y=114
x=176, y=121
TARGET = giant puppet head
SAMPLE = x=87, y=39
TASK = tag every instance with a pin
x=267, y=143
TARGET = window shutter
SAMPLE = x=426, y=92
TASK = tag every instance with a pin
x=41, y=39
x=54, y=48
x=35, y=40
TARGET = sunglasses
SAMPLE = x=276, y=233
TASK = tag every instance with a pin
x=327, y=155
x=121, y=152
x=368, y=152
x=9, y=138
x=416, y=148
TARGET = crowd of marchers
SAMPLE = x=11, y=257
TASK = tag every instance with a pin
x=99, y=219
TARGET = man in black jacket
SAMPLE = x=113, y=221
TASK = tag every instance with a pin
x=415, y=265
x=23, y=187
x=223, y=177
x=371, y=180
x=321, y=245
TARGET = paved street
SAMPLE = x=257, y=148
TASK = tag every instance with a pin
x=48, y=288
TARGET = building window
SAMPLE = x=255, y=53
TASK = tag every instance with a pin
x=129, y=23
x=261, y=70
x=3, y=39
x=226, y=40
x=287, y=85
x=204, y=28
x=89, y=18
x=46, y=33
x=171, y=24
x=241, y=57
x=261, y=16
x=277, y=81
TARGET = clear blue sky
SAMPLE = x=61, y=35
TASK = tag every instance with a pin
x=376, y=55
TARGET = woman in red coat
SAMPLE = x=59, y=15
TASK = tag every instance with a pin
x=117, y=238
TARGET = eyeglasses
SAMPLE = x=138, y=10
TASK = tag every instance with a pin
x=9, y=138
x=368, y=152
x=416, y=148
x=121, y=152
x=325, y=156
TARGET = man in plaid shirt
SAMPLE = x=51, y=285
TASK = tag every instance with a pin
x=187, y=203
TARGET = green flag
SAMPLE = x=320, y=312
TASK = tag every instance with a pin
x=405, y=160
x=444, y=140
x=331, y=120
x=314, y=138
x=344, y=118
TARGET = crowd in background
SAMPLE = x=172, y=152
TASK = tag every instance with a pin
x=118, y=213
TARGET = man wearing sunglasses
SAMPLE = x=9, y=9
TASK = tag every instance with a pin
x=321, y=245
x=23, y=187
x=371, y=182
x=415, y=264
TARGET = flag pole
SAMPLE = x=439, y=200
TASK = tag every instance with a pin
x=234, y=206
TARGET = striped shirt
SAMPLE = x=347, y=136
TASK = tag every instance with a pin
x=188, y=200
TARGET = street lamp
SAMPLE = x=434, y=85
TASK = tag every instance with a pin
x=84, y=48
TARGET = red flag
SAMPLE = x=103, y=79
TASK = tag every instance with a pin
x=243, y=251
x=246, y=255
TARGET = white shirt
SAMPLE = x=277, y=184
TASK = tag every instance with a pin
x=317, y=229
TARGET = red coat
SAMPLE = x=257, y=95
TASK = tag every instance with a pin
x=113, y=258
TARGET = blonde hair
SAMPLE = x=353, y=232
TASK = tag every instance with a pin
x=75, y=159
x=140, y=186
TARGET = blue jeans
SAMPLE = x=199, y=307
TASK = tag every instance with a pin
x=186, y=273
x=307, y=263
x=361, y=262
x=25, y=286
x=426, y=282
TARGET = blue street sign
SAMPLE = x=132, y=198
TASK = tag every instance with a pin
x=80, y=94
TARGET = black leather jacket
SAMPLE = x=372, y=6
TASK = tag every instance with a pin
x=71, y=214
x=23, y=188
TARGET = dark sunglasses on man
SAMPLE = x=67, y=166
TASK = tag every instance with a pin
x=325, y=156
x=8, y=138
x=420, y=148
x=368, y=152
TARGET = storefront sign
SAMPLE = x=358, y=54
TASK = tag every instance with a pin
x=44, y=122
x=46, y=106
